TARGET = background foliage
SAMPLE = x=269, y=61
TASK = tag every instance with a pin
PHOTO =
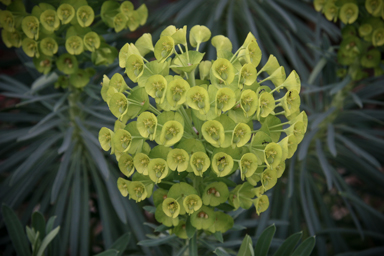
x=333, y=187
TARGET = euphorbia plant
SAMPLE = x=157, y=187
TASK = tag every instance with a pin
x=363, y=35
x=189, y=143
x=72, y=25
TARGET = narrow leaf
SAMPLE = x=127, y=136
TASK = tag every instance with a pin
x=15, y=231
x=324, y=164
x=289, y=245
x=246, y=247
x=264, y=241
x=331, y=139
x=305, y=248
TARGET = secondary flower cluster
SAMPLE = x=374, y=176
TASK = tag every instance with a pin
x=362, y=35
x=46, y=30
x=201, y=139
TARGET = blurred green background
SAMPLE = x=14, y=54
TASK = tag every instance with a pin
x=332, y=188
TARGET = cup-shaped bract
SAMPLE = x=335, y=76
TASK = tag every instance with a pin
x=278, y=76
x=247, y=75
x=171, y=133
x=126, y=164
x=253, y=54
x=223, y=70
x=198, y=35
x=122, y=140
x=134, y=67
x=271, y=65
x=180, y=36
x=144, y=44
x=266, y=104
x=222, y=164
x=164, y=48
x=157, y=169
x=241, y=196
x=141, y=162
x=80, y=78
x=180, y=191
x=91, y=41
x=49, y=20
x=319, y=4
x=200, y=163
x=67, y=63
x=203, y=218
x=147, y=125
x=292, y=82
x=30, y=47
x=198, y=99
x=118, y=104
x=122, y=185
x=261, y=204
x=225, y=100
x=273, y=154
x=74, y=45
x=7, y=20
x=374, y=7
x=349, y=13
x=137, y=191
x=164, y=219
x=298, y=129
x=30, y=26
x=291, y=101
x=171, y=207
x=371, y=59
x=365, y=29
x=11, y=38
x=156, y=86
x=117, y=81
x=215, y=194
x=288, y=146
x=43, y=64
x=105, y=138
x=49, y=46
x=378, y=37
x=119, y=22
x=178, y=159
x=249, y=102
x=177, y=92
x=280, y=169
x=248, y=165
x=241, y=135
x=331, y=11
x=168, y=31
x=205, y=69
x=85, y=15
x=65, y=13
x=213, y=132
x=268, y=178
x=259, y=191
x=192, y=203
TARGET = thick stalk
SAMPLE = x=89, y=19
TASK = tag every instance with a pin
x=191, y=78
x=193, y=245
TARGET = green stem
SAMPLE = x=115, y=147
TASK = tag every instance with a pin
x=154, y=110
x=234, y=55
x=191, y=78
x=197, y=47
x=181, y=49
x=278, y=87
x=193, y=245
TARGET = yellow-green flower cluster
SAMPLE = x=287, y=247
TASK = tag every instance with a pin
x=363, y=34
x=202, y=125
x=69, y=24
